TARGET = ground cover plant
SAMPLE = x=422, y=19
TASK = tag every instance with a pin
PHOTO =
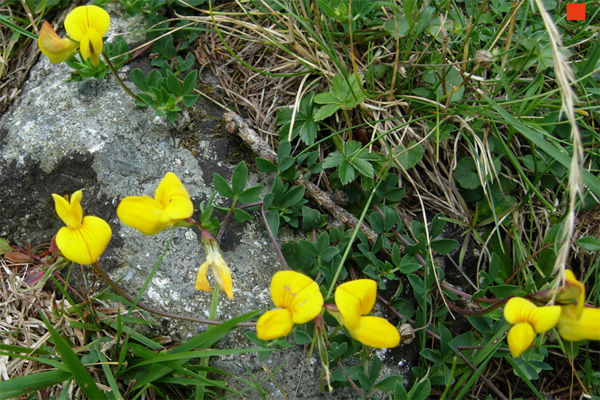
x=440, y=158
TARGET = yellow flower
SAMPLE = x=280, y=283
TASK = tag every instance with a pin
x=354, y=300
x=587, y=326
x=218, y=266
x=84, y=239
x=298, y=299
x=526, y=318
x=572, y=291
x=85, y=26
x=171, y=206
x=53, y=46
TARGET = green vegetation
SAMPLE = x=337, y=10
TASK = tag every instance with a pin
x=446, y=129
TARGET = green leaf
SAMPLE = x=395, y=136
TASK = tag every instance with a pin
x=301, y=338
x=154, y=78
x=364, y=167
x=421, y=390
x=503, y=291
x=189, y=100
x=389, y=383
x=333, y=160
x=189, y=82
x=589, y=243
x=21, y=385
x=293, y=196
x=72, y=361
x=409, y=157
x=222, y=186
x=239, y=178
x=265, y=166
x=139, y=79
x=311, y=219
x=326, y=111
x=466, y=173
x=345, y=93
x=250, y=195
x=5, y=247
x=173, y=84
x=305, y=124
x=204, y=340
x=346, y=172
x=241, y=216
x=273, y=220
x=444, y=246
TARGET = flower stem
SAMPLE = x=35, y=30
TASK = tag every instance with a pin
x=154, y=269
x=114, y=72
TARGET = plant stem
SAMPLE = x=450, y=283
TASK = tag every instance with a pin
x=114, y=72
x=154, y=269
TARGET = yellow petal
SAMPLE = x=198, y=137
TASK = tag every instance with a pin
x=297, y=293
x=142, y=213
x=69, y=212
x=91, y=47
x=575, y=290
x=542, y=319
x=354, y=299
x=376, y=332
x=175, y=199
x=53, y=46
x=221, y=273
x=201, y=281
x=274, y=324
x=84, y=245
x=586, y=327
x=520, y=337
x=85, y=18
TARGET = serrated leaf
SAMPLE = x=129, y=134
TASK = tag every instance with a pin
x=363, y=167
x=326, y=111
x=346, y=172
x=222, y=186
x=333, y=160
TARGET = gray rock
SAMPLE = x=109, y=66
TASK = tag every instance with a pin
x=61, y=137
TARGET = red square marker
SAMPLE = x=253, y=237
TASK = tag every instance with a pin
x=575, y=11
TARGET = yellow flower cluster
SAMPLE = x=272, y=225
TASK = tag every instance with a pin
x=572, y=319
x=84, y=239
x=299, y=300
x=85, y=26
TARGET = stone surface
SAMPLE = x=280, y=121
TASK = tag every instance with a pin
x=61, y=137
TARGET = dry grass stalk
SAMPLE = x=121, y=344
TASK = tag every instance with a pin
x=565, y=78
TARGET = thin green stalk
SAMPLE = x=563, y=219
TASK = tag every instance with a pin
x=212, y=314
x=349, y=246
x=114, y=72
x=154, y=269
